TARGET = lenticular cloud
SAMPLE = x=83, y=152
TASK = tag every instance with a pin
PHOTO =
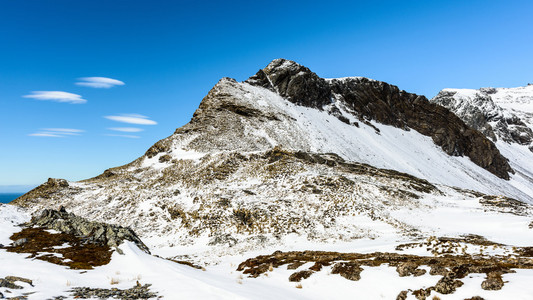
x=57, y=96
x=132, y=119
x=99, y=82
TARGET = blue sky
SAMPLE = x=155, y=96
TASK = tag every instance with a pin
x=169, y=54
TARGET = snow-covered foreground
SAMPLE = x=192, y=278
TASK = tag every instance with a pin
x=220, y=280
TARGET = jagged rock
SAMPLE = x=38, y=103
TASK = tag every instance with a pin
x=447, y=285
x=348, y=270
x=409, y=268
x=402, y=295
x=9, y=284
x=298, y=276
x=481, y=110
x=493, y=282
x=21, y=279
x=438, y=270
x=52, y=182
x=422, y=294
x=294, y=82
x=136, y=292
x=374, y=100
x=92, y=232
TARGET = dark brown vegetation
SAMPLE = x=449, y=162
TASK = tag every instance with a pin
x=50, y=247
x=452, y=268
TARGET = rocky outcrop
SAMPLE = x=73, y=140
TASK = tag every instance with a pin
x=368, y=99
x=478, y=109
x=91, y=232
x=52, y=187
x=137, y=292
x=294, y=82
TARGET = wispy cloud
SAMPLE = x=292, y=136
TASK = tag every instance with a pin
x=57, y=96
x=124, y=136
x=132, y=119
x=56, y=132
x=44, y=134
x=99, y=82
x=126, y=129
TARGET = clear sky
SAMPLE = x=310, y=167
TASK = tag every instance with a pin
x=166, y=55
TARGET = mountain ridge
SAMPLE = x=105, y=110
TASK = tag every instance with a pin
x=252, y=169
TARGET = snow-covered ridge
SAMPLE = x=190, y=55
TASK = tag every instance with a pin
x=302, y=128
x=504, y=115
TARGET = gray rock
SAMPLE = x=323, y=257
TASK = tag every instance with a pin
x=481, y=111
x=368, y=99
x=20, y=242
x=21, y=279
x=493, y=282
x=9, y=284
x=223, y=239
x=136, y=292
x=91, y=232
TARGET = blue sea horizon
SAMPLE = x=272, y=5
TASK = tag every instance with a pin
x=8, y=197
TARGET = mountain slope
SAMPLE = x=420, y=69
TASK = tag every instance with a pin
x=253, y=167
x=287, y=162
x=505, y=115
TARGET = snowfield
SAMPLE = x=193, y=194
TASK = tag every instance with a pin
x=222, y=281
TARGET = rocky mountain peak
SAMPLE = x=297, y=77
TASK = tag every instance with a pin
x=294, y=82
x=497, y=113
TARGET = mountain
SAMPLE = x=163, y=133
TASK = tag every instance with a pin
x=504, y=115
x=289, y=161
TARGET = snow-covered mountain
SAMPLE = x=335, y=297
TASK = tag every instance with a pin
x=505, y=115
x=254, y=148
x=287, y=160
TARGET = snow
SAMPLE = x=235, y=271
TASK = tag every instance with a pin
x=518, y=99
x=391, y=148
x=221, y=281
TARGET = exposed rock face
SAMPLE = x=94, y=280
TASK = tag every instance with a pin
x=93, y=232
x=294, y=82
x=480, y=111
x=374, y=100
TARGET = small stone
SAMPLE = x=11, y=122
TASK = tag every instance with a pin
x=493, y=282
x=348, y=270
x=409, y=268
x=8, y=284
x=447, y=285
x=21, y=279
x=402, y=295
x=298, y=276
x=20, y=242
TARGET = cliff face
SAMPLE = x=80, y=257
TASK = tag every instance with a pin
x=500, y=114
x=374, y=100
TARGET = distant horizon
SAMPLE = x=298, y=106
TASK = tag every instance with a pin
x=17, y=189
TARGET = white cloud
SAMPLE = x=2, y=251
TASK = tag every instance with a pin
x=57, y=132
x=44, y=134
x=125, y=136
x=126, y=129
x=57, y=96
x=99, y=82
x=132, y=119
